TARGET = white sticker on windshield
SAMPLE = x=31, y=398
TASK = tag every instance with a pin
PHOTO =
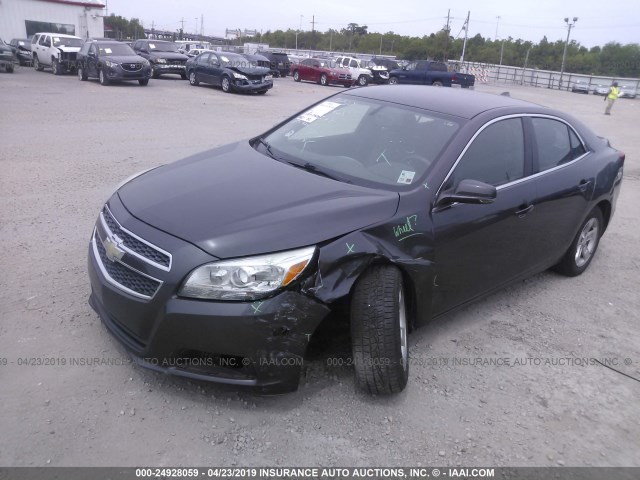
x=318, y=111
x=107, y=50
x=152, y=46
x=56, y=39
x=406, y=177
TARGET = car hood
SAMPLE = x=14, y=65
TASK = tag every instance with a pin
x=234, y=201
x=69, y=49
x=125, y=58
x=250, y=70
x=169, y=55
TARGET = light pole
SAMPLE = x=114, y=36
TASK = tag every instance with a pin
x=564, y=55
x=497, y=23
x=298, y=31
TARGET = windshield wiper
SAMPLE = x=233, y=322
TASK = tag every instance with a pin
x=267, y=147
x=309, y=167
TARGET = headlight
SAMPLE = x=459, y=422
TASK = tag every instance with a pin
x=247, y=278
x=145, y=62
x=239, y=76
x=161, y=60
x=110, y=64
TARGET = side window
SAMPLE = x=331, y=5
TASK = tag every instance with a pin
x=353, y=64
x=93, y=49
x=555, y=142
x=496, y=155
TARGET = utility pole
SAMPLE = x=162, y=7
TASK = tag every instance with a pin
x=313, y=32
x=466, y=34
x=446, y=30
x=564, y=55
x=497, y=23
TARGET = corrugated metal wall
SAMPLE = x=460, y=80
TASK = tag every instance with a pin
x=88, y=21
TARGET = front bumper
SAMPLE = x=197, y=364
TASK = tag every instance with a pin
x=251, y=86
x=162, y=68
x=118, y=73
x=259, y=344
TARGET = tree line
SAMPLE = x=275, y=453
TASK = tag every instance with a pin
x=612, y=59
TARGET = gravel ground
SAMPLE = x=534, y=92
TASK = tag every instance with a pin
x=66, y=144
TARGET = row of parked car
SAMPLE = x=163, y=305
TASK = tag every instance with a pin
x=580, y=86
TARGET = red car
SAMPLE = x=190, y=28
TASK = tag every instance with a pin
x=320, y=70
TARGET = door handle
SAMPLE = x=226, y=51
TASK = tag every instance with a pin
x=584, y=184
x=524, y=211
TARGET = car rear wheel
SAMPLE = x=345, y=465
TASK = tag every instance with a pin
x=36, y=64
x=393, y=80
x=144, y=82
x=584, y=246
x=9, y=68
x=81, y=73
x=183, y=76
x=324, y=80
x=226, y=84
x=103, y=78
x=363, y=80
x=379, y=328
x=437, y=83
x=296, y=76
x=193, y=79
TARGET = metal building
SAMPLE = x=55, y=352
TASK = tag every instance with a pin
x=23, y=18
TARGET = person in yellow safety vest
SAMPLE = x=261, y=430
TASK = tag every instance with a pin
x=614, y=91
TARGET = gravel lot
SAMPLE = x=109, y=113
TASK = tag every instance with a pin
x=65, y=146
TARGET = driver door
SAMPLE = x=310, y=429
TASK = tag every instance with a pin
x=480, y=247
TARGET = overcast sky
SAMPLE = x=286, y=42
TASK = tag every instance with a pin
x=598, y=22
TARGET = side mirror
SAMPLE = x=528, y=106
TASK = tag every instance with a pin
x=92, y=54
x=469, y=191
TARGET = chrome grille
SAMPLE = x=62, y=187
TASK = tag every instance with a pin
x=131, y=67
x=136, y=245
x=122, y=276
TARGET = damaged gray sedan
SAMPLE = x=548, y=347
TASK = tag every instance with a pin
x=229, y=71
x=401, y=203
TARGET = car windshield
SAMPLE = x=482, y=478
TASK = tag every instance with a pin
x=233, y=60
x=163, y=47
x=115, y=49
x=363, y=141
x=67, y=42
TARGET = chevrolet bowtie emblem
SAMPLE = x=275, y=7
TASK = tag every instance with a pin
x=112, y=248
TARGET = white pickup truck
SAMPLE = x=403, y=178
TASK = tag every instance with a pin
x=362, y=72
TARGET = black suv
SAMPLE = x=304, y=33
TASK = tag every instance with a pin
x=110, y=60
x=163, y=56
x=22, y=50
x=280, y=63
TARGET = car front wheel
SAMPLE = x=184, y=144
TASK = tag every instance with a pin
x=437, y=83
x=584, y=246
x=55, y=67
x=144, y=82
x=193, y=79
x=393, y=80
x=103, y=78
x=363, y=80
x=323, y=80
x=379, y=327
x=81, y=73
x=226, y=84
x=296, y=76
x=36, y=64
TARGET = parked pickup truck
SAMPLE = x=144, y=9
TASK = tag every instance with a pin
x=425, y=72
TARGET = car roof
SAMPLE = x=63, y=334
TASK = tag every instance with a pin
x=463, y=103
x=63, y=35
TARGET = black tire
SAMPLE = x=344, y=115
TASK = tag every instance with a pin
x=437, y=83
x=193, y=79
x=144, y=82
x=226, y=84
x=104, y=80
x=55, y=67
x=296, y=76
x=82, y=75
x=324, y=81
x=583, y=248
x=379, y=327
x=363, y=80
x=154, y=73
x=9, y=68
x=183, y=76
x=262, y=92
x=393, y=80
x=36, y=64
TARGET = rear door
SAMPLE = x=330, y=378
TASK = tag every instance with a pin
x=481, y=247
x=564, y=187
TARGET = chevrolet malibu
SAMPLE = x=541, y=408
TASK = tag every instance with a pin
x=401, y=203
